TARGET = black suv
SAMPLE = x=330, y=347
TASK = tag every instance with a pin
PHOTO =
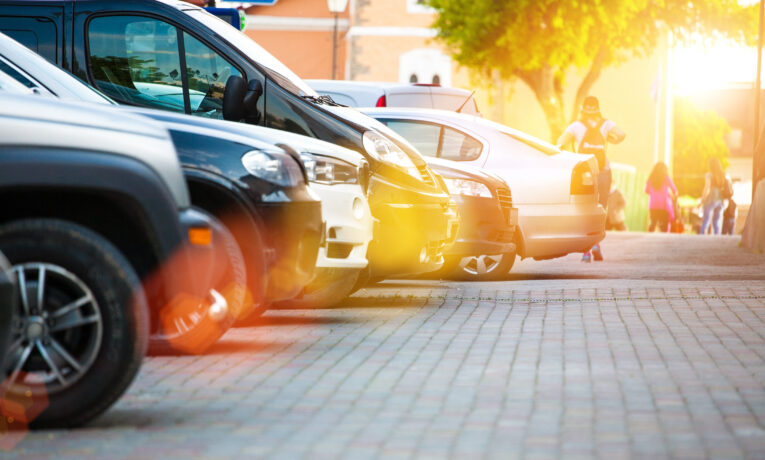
x=174, y=56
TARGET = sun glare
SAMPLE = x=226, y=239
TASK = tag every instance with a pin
x=699, y=67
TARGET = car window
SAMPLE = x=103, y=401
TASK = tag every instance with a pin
x=423, y=136
x=458, y=146
x=207, y=72
x=136, y=60
x=16, y=75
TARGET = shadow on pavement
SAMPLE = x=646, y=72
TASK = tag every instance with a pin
x=305, y=319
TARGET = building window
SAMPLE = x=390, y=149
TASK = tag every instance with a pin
x=418, y=6
x=425, y=65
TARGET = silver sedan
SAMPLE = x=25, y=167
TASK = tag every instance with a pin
x=555, y=191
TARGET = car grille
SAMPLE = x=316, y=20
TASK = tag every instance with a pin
x=426, y=176
x=505, y=201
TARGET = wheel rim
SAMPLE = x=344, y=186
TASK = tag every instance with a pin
x=480, y=265
x=58, y=333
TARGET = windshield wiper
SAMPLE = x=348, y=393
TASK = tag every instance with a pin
x=323, y=99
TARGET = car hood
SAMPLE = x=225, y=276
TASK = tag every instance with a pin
x=93, y=127
x=256, y=136
x=456, y=170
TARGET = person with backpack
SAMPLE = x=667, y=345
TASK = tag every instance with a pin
x=590, y=134
x=717, y=189
x=661, y=204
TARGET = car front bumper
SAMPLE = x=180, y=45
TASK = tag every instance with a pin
x=348, y=226
x=292, y=233
x=485, y=228
x=411, y=229
x=554, y=230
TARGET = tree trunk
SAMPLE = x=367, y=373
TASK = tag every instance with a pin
x=592, y=76
x=547, y=86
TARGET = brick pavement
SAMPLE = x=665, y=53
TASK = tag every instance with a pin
x=431, y=369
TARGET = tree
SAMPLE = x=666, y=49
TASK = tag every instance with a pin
x=698, y=136
x=540, y=41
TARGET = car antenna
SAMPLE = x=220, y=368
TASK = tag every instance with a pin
x=466, y=101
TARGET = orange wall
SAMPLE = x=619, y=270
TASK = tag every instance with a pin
x=299, y=8
x=308, y=54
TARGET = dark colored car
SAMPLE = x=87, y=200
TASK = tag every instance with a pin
x=485, y=248
x=273, y=216
x=174, y=56
x=99, y=234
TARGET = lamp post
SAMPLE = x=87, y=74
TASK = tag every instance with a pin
x=335, y=7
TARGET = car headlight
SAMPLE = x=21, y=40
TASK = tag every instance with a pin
x=328, y=170
x=467, y=188
x=383, y=149
x=277, y=168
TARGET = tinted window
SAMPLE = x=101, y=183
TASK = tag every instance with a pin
x=424, y=136
x=36, y=33
x=136, y=60
x=458, y=146
x=16, y=75
x=207, y=73
x=283, y=113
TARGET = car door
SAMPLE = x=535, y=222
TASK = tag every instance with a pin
x=149, y=62
x=38, y=27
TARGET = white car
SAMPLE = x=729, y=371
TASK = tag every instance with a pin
x=555, y=191
x=386, y=94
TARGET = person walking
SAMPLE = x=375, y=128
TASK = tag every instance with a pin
x=713, y=199
x=590, y=134
x=661, y=203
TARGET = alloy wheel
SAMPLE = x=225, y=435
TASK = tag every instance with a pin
x=480, y=265
x=59, y=329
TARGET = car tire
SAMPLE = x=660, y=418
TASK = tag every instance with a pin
x=92, y=307
x=480, y=268
x=204, y=331
x=330, y=287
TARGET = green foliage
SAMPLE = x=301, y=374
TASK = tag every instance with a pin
x=539, y=41
x=698, y=136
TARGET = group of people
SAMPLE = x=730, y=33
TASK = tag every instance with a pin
x=718, y=210
x=592, y=132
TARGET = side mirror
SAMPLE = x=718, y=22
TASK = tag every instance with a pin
x=251, y=99
x=233, y=99
x=240, y=100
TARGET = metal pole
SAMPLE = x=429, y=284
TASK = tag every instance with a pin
x=757, y=91
x=334, y=49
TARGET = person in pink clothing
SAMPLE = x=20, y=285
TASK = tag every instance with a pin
x=661, y=191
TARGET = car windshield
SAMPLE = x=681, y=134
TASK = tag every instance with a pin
x=274, y=68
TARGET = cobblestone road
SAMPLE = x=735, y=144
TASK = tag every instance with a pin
x=568, y=367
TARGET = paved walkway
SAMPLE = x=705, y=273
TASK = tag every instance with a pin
x=591, y=360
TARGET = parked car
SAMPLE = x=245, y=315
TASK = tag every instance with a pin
x=340, y=177
x=188, y=329
x=485, y=249
x=229, y=76
x=390, y=94
x=554, y=191
x=84, y=217
x=264, y=224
